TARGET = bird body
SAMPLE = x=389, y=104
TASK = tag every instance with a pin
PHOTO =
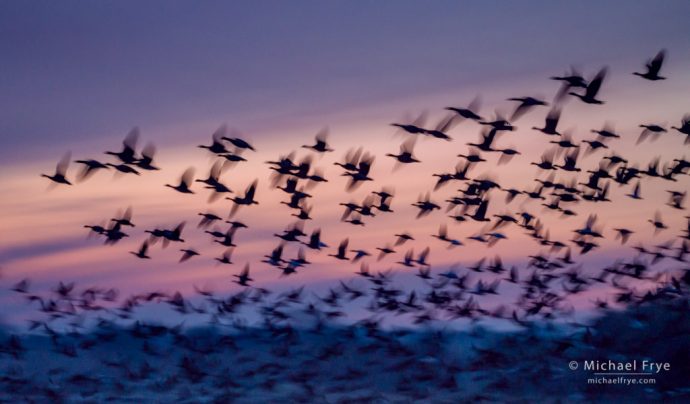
x=60, y=171
x=592, y=89
x=185, y=182
x=243, y=278
x=141, y=253
x=653, y=67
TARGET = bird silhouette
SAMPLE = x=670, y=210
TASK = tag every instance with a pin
x=684, y=128
x=676, y=199
x=207, y=219
x=321, y=144
x=226, y=257
x=60, y=171
x=217, y=146
x=168, y=235
x=525, y=104
x=292, y=233
x=442, y=235
x=623, y=235
x=414, y=128
x=243, y=278
x=444, y=125
x=123, y=168
x=425, y=205
x=90, y=166
x=275, y=258
x=227, y=238
x=551, y=123
x=653, y=67
x=385, y=196
x=125, y=218
x=565, y=142
x=238, y=142
x=658, y=223
x=406, y=152
x=570, y=161
x=145, y=162
x=359, y=254
x=342, y=251
x=357, y=168
x=470, y=112
x=650, y=130
x=128, y=155
x=141, y=253
x=592, y=89
x=247, y=199
x=188, y=253
x=315, y=242
x=479, y=214
x=185, y=182
x=572, y=79
x=487, y=139
x=384, y=251
x=402, y=238
x=607, y=132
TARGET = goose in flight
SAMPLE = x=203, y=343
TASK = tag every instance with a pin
x=592, y=89
x=60, y=171
x=653, y=67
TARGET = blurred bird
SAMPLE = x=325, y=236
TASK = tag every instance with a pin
x=342, y=251
x=185, y=182
x=321, y=144
x=593, y=88
x=226, y=258
x=217, y=146
x=238, y=142
x=573, y=79
x=247, y=199
x=124, y=219
x=406, y=152
x=425, y=205
x=60, y=171
x=658, y=223
x=439, y=131
x=187, y=254
x=90, y=167
x=146, y=160
x=684, y=128
x=654, y=67
x=243, y=278
x=470, y=112
x=128, y=153
x=652, y=130
x=526, y=104
x=141, y=253
x=551, y=123
x=123, y=168
x=402, y=238
x=207, y=219
x=414, y=128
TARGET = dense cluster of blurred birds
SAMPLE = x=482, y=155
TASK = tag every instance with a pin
x=544, y=285
x=297, y=354
x=452, y=290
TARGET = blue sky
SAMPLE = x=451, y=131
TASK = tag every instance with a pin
x=79, y=69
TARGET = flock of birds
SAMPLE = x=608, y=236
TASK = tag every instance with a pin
x=295, y=178
x=545, y=284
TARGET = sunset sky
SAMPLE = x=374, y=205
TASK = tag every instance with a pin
x=80, y=76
